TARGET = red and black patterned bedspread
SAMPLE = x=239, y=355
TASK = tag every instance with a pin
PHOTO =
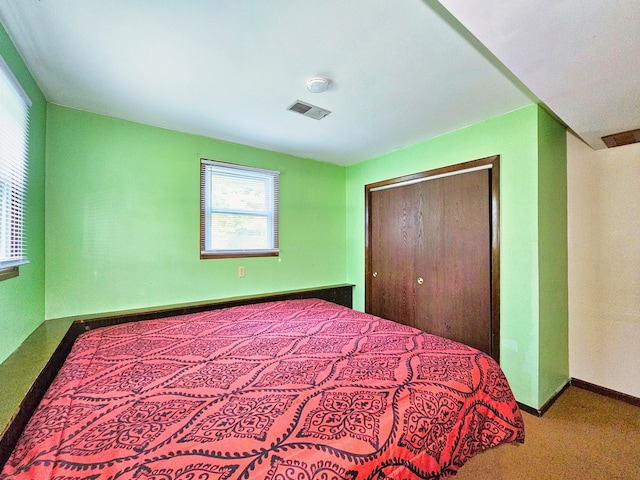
x=301, y=389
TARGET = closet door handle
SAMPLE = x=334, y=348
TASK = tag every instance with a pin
x=420, y=280
x=375, y=274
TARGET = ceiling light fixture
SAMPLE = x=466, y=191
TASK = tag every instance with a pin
x=318, y=84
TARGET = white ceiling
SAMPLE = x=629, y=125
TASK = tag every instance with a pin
x=402, y=71
x=580, y=57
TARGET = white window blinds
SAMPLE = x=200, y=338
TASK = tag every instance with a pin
x=14, y=141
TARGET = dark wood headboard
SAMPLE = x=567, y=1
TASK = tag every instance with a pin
x=340, y=294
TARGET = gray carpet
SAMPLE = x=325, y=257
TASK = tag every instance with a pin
x=582, y=436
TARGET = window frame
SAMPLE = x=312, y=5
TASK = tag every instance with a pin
x=272, y=178
x=14, y=176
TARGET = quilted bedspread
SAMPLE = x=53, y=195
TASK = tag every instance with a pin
x=300, y=389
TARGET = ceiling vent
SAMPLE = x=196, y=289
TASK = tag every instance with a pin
x=308, y=110
x=623, y=138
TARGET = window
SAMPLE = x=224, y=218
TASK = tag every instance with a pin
x=238, y=211
x=14, y=139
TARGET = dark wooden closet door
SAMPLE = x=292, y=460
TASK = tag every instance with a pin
x=393, y=223
x=454, y=298
x=429, y=256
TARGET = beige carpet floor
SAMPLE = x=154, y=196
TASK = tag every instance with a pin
x=582, y=436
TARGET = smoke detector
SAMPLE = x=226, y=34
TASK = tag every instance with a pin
x=308, y=110
x=318, y=84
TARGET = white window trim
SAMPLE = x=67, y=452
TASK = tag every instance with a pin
x=207, y=167
x=14, y=173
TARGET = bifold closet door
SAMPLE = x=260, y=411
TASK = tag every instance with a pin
x=430, y=256
x=395, y=225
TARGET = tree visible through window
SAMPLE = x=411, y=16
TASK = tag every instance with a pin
x=239, y=210
x=14, y=135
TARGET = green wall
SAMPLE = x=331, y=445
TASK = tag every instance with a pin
x=22, y=297
x=515, y=137
x=123, y=218
x=553, y=257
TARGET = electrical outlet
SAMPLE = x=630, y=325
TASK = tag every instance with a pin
x=241, y=272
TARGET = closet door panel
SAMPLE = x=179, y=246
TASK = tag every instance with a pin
x=429, y=284
x=455, y=260
x=393, y=215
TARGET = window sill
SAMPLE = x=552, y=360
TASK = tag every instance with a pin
x=9, y=272
x=240, y=254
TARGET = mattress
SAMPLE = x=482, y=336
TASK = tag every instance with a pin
x=298, y=389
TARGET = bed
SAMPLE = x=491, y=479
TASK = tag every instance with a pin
x=295, y=389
